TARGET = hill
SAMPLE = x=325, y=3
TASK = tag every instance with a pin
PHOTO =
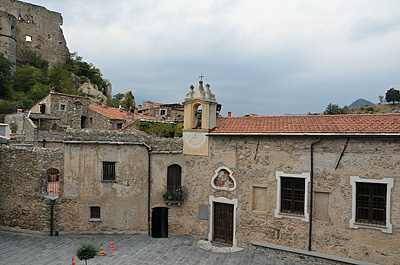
x=361, y=102
x=376, y=109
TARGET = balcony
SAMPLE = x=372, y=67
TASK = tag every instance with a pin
x=174, y=195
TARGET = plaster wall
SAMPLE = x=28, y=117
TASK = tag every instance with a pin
x=123, y=203
x=159, y=166
x=255, y=161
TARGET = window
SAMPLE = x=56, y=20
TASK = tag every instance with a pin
x=292, y=195
x=292, y=199
x=108, y=171
x=371, y=203
x=174, y=173
x=119, y=126
x=53, y=181
x=163, y=112
x=63, y=107
x=95, y=212
x=28, y=38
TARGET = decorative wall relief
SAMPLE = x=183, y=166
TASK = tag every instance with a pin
x=223, y=179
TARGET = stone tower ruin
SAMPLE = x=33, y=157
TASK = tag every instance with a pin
x=24, y=25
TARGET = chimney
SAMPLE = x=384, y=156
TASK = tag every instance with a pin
x=229, y=114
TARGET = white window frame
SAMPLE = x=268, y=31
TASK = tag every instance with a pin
x=163, y=110
x=278, y=214
x=353, y=224
x=65, y=106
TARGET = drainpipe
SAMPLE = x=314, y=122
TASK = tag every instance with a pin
x=312, y=192
x=51, y=215
x=148, y=186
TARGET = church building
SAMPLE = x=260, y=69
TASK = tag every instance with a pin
x=322, y=183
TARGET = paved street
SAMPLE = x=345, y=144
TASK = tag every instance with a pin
x=21, y=249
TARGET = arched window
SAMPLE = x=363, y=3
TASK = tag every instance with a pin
x=174, y=176
x=53, y=181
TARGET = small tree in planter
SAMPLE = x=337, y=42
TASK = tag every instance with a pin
x=87, y=250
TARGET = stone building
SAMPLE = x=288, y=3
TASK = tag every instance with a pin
x=321, y=186
x=318, y=183
x=165, y=112
x=59, y=111
x=24, y=25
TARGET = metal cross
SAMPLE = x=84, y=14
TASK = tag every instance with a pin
x=201, y=77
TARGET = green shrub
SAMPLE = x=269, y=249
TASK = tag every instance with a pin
x=87, y=250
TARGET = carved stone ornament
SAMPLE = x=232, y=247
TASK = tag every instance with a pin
x=223, y=179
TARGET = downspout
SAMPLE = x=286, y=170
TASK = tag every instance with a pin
x=148, y=186
x=51, y=216
x=312, y=192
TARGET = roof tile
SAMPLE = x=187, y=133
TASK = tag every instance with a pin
x=321, y=124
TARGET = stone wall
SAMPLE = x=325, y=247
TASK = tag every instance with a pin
x=98, y=121
x=23, y=182
x=255, y=161
x=44, y=28
x=8, y=35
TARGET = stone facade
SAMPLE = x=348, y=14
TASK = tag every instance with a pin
x=36, y=28
x=23, y=182
x=255, y=161
x=62, y=109
x=8, y=36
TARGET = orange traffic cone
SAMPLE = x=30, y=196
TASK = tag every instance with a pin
x=112, y=246
x=102, y=253
x=73, y=261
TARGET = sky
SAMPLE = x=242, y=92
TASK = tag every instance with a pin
x=265, y=57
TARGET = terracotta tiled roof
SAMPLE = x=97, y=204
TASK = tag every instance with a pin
x=112, y=113
x=137, y=117
x=311, y=124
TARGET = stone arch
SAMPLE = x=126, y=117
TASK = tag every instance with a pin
x=53, y=181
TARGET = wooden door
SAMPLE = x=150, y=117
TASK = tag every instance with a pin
x=174, y=176
x=223, y=223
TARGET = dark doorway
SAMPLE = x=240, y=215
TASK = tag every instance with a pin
x=83, y=122
x=223, y=223
x=43, y=109
x=159, y=224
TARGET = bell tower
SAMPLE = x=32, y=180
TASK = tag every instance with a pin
x=200, y=111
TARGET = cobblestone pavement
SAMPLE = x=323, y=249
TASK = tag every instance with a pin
x=16, y=248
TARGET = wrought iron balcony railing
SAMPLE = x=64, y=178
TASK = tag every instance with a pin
x=174, y=194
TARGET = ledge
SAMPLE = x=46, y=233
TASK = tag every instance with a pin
x=94, y=219
x=310, y=253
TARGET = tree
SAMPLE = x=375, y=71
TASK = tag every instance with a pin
x=381, y=99
x=87, y=250
x=5, y=74
x=333, y=109
x=392, y=95
x=129, y=102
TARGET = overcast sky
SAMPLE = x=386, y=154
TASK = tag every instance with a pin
x=267, y=57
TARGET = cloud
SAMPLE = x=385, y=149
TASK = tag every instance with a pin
x=368, y=27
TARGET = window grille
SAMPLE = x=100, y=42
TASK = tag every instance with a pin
x=109, y=171
x=371, y=203
x=95, y=212
x=53, y=181
x=292, y=195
